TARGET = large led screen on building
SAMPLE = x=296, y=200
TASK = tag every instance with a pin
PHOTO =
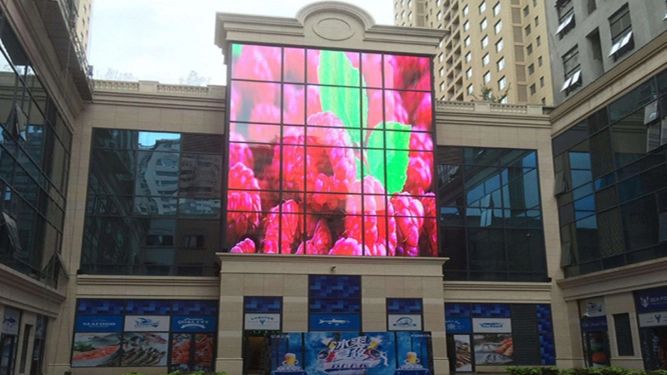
x=330, y=152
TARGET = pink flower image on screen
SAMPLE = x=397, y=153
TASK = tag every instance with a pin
x=330, y=153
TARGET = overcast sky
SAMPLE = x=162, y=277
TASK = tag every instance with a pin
x=163, y=40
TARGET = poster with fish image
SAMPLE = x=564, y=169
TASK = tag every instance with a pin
x=348, y=353
x=463, y=353
x=493, y=349
x=96, y=349
x=144, y=349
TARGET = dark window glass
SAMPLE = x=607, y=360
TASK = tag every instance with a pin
x=623, y=335
x=632, y=101
x=619, y=23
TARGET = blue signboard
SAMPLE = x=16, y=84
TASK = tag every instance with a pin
x=458, y=325
x=598, y=323
x=334, y=322
x=651, y=300
x=193, y=323
x=99, y=323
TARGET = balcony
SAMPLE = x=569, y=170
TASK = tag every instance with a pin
x=60, y=18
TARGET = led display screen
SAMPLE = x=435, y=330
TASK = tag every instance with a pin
x=330, y=153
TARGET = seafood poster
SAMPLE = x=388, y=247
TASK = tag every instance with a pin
x=142, y=349
x=348, y=353
x=96, y=349
x=463, y=353
x=493, y=349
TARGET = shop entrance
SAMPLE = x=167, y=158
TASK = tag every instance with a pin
x=596, y=348
x=255, y=354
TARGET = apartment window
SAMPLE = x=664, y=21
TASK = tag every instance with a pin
x=485, y=41
x=396, y=16
x=487, y=77
x=482, y=7
x=482, y=25
x=539, y=41
x=502, y=83
x=501, y=64
x=498, y=26
x=402, y=2
x=534, y=3
x=532, y=89
x=466, y=41
x=537, y=21
x=572, y=70
x=465, y=11
x=409, y=3
x=469, y=73
x=468, y=57
x=466, y=26
x=496, y=9
x=621, y=32
x=565, y=17
x=529, y=49
x=485, y=60
x=539, y=61
x=544, y=101
x=403, y=14
x=442, y=72
x=541, y=81
x=527, y=30
x=499, y=45
x=469, y=89
x=439, y=15
x=442, y=86
x=531, y=69
x=410, y=16
x=503, y=100
x=437, y=3
x=441, y=57
x=525, y=11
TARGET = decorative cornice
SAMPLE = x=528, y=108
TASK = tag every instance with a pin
x=324, y=6
x=476, y=291
x=129, y=281
x=12, y=280
x=294, y=258
x=617, y=280
x=493, y=286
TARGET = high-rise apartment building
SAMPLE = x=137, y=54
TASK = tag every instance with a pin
x=82, y=27
x=588, y=38
x=494, y=44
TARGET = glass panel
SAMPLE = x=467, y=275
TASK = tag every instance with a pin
x=259, y=63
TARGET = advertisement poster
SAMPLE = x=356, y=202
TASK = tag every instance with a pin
x=592, y=307
x=147, y=323
x=458, y=325
x=655, y=319
x=286, y=352
x=180, y=351
x=262, y=322
x=334, y=322
x=463, y=353
x=493, y=349
x=321, y=142
x=193, y=323
x=10, y=322
x=348, y=353
x=145, y=349
x=203, y=351
x=401, y=322
x=414, y=352
x=651, y=300
x=654, y=348
x=96, y=349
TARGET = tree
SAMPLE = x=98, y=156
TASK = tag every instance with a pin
x=115, y=75
x=194, y=79
x=486, y=95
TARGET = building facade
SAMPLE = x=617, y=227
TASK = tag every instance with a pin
x=502, y=46
x=267, y=224
x=589, y=38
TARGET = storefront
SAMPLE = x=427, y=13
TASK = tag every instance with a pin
x=651, y=307
x=594, y=332
x=494, y=335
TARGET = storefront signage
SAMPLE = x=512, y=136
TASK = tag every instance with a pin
x=491, y=325
x=593, y=307
x=147, y=323
x=262, y=322
x=653, y=319
x=99, y=323
x=651, y=300
x=598, y=323
x=458, y=325
x=334, y=322
x=10, y=322
x=193, y=323
x=402, y=322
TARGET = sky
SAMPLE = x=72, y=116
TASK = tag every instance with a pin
x=164, y=40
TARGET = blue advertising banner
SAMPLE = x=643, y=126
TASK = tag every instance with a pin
x=651, y=300
x=458, y=325
x=349, y=353
x=414, y=353
x=286, y=350
x=193, y=323
x=334, y=322
x=598, y=323
x=99, y=323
